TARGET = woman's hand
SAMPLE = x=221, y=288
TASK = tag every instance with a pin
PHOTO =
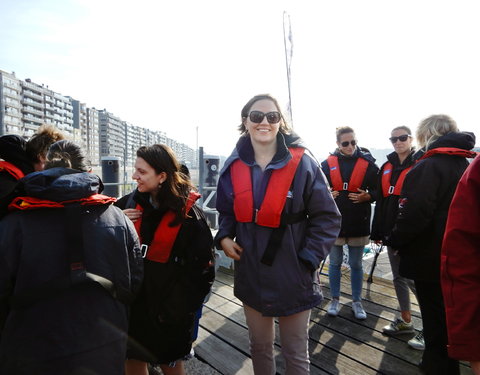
x=335, y=193
x=132, y=214
x=360, y=197
x=231, y=248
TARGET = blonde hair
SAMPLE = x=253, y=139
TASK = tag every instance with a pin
x=433, y=127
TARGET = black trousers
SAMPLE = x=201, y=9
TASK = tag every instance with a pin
x=435, y=359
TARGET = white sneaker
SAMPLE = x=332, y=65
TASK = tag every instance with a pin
x=334, y=307
x=398, y=327
x=418, y=342
x=358, y=310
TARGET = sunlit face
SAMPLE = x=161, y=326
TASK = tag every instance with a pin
x=146, y=177
x=263, y=132
x=345, y=144
x=399, y=146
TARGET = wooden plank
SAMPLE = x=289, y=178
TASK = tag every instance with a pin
x=320, y=359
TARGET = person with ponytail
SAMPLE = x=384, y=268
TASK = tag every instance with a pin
x=178, y=259
x=70, y=263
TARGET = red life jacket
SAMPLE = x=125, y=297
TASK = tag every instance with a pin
x=31, y=203
x=387, y=188
x=165, y=235
x=270, y=212
x=356, y=178
x=450, y=151
x=10, y=168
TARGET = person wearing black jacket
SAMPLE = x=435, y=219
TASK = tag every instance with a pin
x=390, y=181
x=419, y=228
x=352, y=174
x=19, y=158
x=13, y=154
x=70, y=263
x=178, y=260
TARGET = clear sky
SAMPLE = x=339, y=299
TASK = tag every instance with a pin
x=178, y=65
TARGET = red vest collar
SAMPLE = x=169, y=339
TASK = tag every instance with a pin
x=165, y=235
x=449, y=151
x=270, y=212
x=31, y=203
x=12, y=169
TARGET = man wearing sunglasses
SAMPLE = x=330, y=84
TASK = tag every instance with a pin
x=390, y=182
x=352, y=174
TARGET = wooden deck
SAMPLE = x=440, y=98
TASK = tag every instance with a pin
x=340, y=345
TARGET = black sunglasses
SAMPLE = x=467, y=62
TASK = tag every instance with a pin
x=346, y=143
x=272, y=117
x=402, y=138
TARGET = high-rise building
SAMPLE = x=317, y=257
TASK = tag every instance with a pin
x=93, y=136
x=25, y=105
x=10, y=106
x=112, y=135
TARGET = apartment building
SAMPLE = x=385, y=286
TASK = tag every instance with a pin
x=112, y=135
x=10, y=106
x=25, y=105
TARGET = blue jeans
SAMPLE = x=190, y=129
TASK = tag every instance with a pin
x=355, y=254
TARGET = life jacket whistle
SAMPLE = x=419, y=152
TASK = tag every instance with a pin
x=356, y=178
x=270, y=212
x=165, y=235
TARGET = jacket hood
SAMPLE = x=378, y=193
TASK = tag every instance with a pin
x=395, y=160
x=360, y=152
x=13, y=150
x=463, y=140
x=244, y=150
x=60, y=184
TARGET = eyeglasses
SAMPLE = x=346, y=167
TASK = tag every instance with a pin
x=272, y=117
x=346, y=143
x=402, y=138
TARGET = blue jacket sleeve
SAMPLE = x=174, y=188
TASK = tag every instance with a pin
x=226, y=218
x=324, y=220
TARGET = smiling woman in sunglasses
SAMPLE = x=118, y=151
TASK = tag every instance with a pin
x=352, y=174
x=390, y=182
x=278, y=221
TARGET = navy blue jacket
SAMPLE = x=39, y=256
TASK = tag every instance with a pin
x=34, y=250
x=355, y=216
x=291, y=283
